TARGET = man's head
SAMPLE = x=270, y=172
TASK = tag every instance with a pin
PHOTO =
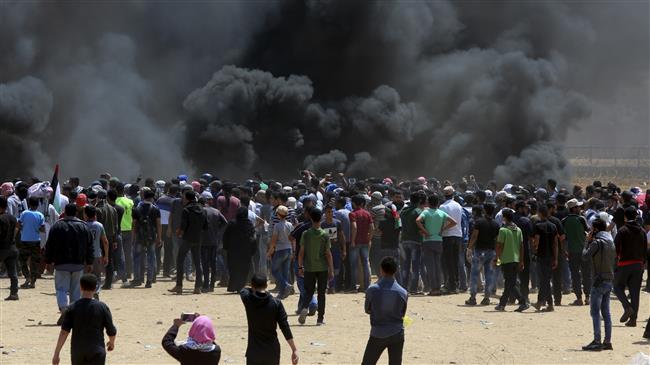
x=630, y=213
x=434, y=201
x=111, y=195
x=358, y=202
x=395, y=196
x=488, y=210
x=148, y=195
x=282, y=212
x=90, y=212
x=258, y=282
x=315, y=215
x=340, y=203
x=388, y=266
x=88, y=283
x=508, y=215
x=329, y=212
x=599, y=225
x=449, y=192
x=32, y=203
x=542, y=211
x=70, y=210
x=190, y=196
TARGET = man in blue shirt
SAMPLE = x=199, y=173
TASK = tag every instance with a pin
x=386, y=303
x=31, y=223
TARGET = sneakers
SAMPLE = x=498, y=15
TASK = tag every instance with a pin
x=485, y=301
x=500, y=308
x=12, y=297
x=607, y=346
x=303, y=316
x=177, y=290
x=578, y=302
x=471, y=301
x=522, y=307
x=147, y=285
x=197, y=291
x=537, y=306
x=593, y=346
x=189, y=277
x=320, y=322
x=312, y=311
x=548, y=309
x=631, y=323
x=626, y=314
x=27, y=285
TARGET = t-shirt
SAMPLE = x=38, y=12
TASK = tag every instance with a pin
x=87, y=319
x=31, y=221
x=488, y=230
x=7, y=230
x=547, y=232
x=176, y=213
x=145, y=215
x=343, y=215
x=511, y=239
x=315, y=242
x=97, y=232
x=410, y=231
x=127, y=204
x=433, y=220
x=455, y=211
x=575, y=227
x=332, y=230
x=298, y=231
x=386, y=303
x=282, y=229
x=164, y=203
x=363, y=220
x=378, y=213
x=228, y=207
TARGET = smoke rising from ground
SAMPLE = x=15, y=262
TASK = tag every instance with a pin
x=370, y=88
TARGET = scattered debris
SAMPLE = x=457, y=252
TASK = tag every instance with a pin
x=318, y=344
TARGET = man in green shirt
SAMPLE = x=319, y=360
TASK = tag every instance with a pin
x=125, y=227
x=510, y=251
x=575, y=227
x=315, y=264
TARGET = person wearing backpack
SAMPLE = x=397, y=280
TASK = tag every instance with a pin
x=107, y=216
x=146, y=235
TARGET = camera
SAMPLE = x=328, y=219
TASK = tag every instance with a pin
x=188, y=317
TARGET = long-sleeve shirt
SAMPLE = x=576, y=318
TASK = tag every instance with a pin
x=602, y=253
x=386, y=303
x=188, y=356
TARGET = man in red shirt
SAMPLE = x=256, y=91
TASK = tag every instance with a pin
x=361, y=228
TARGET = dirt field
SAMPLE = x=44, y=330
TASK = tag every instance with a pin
x=444, y=331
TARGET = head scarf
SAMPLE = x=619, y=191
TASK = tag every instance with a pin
x=201, y=335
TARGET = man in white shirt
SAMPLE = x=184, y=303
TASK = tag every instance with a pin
x=452, y=240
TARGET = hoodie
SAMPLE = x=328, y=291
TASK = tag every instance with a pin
x=602, y=253
x=264, y=313
x=631, y=244
x=193, y=222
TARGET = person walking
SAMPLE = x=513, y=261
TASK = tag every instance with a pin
x=30, y=223
x=125, y=227
x=386, y=304
x=193, y=221
x=575, y=228
x=146, y=236
x=510, y=252
x=264, y=314
x=361, y=228
x=481, y=252
x=412, y=242
x=8, y=251
x=100, y=244
x=281, y=252
x=545, y=244
x=600, y=250
x=87, y=319
x=315, y=264
x=240, y=244
x=211, y=240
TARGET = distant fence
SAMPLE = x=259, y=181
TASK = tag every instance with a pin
x=632, y=162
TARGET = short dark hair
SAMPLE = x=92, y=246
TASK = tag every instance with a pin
x=32, y=202
x=3, y=202
x=359, y=200
x=149, y=194
x=630, y=213
x=316, y=215
x=434, y=200
x=88, y=282
x=508, y=214
x=111, y=195
x=190, y=195
x=258, y=281
x=70, y=210
x=489, y=209
x=599, y=224
x=389, y=265
x=90, y=211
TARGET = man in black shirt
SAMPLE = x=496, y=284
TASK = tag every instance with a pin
x=545, y=244
x=8, y=251
x=146, y=236
x=527, y=231
x=264, y=314
x=87, y=318
x=561, y=274
x=481, y=252
x=193, y=222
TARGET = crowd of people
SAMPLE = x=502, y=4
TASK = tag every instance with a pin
x=326, y=235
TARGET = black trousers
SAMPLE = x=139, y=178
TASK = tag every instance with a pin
x=109, y=269
x=347, y=281
x=524, y=278
x=580, y=274
x=195, y=249
x=450, y=252
x=557, y=283
x=30, y=259
x=629, y=276
x=9, y=257
x=376, y=346
x=209, y=265
x=511, y=290
x=313, y=278
x=545, y=275
x=89, y=359
x=169, y=261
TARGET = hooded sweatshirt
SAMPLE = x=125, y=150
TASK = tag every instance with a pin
x=631, y=244
x=193, y=222
x=264, y=314
x=602, y=253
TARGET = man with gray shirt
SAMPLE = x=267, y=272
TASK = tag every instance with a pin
x=602, y=252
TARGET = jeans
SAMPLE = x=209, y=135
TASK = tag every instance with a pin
x=336, y=261
x=9, y=257
x=98, y=269
x=195, y=249
x=524, y=277
x=312, y=279
x=30, y=251
x=187, y=263
x=280, y=266
x=580, y=273
x=544, y=274
x=462, y=267
x=118, y=260
x=67, y=282
x=222, y=266
x=375, y=255
x=127, y=247
x=511, y=290
x=376, y=346
x=144, y=255
x=629, y=276
x=599, y=304
x=169, y=260
x=209, y=266
x=450, y=252
x=411, y=264
x=354, y=254
x=302, y=298
x=431, y=259
x=482, y=258
x=261, y=263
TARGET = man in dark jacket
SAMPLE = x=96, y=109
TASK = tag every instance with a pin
x=107, y=216
x=69, y=249
x=631, y=245
x=264, y=314
x=193, y=222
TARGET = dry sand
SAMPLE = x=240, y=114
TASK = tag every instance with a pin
x=444, y=331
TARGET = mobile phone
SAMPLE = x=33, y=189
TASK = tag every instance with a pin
x=188, y=317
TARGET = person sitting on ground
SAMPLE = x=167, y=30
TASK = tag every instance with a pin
x=87, y=318
x=199, y=348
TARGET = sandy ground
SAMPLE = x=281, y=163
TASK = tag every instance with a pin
x=444, y=331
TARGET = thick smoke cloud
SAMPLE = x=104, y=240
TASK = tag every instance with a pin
x=370, y=88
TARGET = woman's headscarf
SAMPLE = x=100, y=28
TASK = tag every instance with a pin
x=201, y=336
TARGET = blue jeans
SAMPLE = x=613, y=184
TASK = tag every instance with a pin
x=280, y=266
x=67, y=282
x=302, y=298
x=140, y=254
x=462, y=268
x=261, y=266
x=118, y=260
x=431, y=260
x=482, y=258
x=356, y=252
x=599, y=303
x=411, y=264
x=336, y=261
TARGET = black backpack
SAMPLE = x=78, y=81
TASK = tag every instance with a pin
x=146, y=224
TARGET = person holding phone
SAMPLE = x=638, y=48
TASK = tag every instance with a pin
x=199, y=348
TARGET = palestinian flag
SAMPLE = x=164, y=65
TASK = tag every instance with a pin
x=56, y=187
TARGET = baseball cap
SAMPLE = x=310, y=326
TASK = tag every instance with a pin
x=282, y=210
x=82, y=200
x=573, y=203
x=206, y=195
x=448, y=190
x=377, y=195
